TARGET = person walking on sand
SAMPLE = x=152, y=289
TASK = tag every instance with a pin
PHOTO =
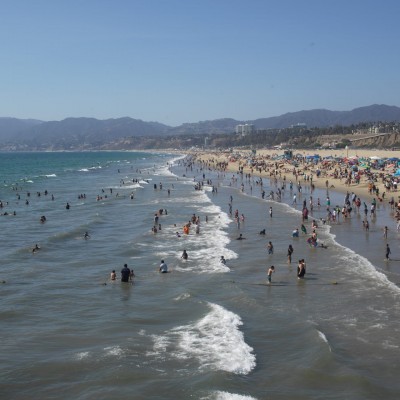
x=271, y=270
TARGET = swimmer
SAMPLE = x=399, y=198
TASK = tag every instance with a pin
x=262, y=232
x=240, y=237
x=86, y=235
x=113, y=275
x=222, y=260
x=184, y=255
x=35, y=249
x=163, y=267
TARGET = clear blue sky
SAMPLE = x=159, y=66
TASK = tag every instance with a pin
x=176, y=61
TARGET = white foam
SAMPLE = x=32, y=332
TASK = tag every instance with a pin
x=82, y=355
x=182, y=296
x=366, y=268
x=216, y=342
x=50, y=176
x=322, y=336
x=221, y=395
x=113, y=351
x=83, y=170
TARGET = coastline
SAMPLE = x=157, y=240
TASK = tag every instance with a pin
x=238, y=161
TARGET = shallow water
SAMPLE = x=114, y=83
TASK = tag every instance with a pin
x=205, y=330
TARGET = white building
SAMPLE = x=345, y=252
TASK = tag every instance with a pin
x=245, y=129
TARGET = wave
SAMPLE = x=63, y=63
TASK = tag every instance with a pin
x=324, y=339
x=215, y=341
x=222, y=395
x=366, y=268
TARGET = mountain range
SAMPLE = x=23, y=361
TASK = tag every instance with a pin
x=73, y=132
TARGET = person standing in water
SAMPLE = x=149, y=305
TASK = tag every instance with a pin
x=301, y=269
x=387, y=252
x=289, y=253
x=125, y=273
x=271, y=270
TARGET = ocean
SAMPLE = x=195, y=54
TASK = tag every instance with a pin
x=205, y=330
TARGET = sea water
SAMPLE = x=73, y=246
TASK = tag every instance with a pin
x=205, y=330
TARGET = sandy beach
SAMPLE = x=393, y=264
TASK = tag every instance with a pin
x=332, y=173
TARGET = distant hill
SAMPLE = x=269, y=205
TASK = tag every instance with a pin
x=12, y=127
x=86, y=133
x=323, y=118
x=91, y=130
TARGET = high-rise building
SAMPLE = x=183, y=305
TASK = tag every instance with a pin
x=245, y=129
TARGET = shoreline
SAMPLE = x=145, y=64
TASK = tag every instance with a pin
x=236, y=162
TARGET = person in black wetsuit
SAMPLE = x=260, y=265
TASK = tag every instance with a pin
x=125, y=273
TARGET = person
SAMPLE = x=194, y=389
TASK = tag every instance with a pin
x=177, y=234
x=131, y=275
x=262, y=232
x=289, y=253
x=113, y=275
x=163, y=267
x=303, y=229
x=184, y=255
x=295, y=233
x=387, y=251
x=223, y=261
x=67, y=206
x=86, y=235
x=385, y=232
x=240, y=237
x=270, y=248
x=125, y=273
x=36, y=248
x=269, y=274
x=301, y=269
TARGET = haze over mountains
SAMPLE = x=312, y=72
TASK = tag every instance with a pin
x=94, y=131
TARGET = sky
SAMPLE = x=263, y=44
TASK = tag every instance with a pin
x=184, y=61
